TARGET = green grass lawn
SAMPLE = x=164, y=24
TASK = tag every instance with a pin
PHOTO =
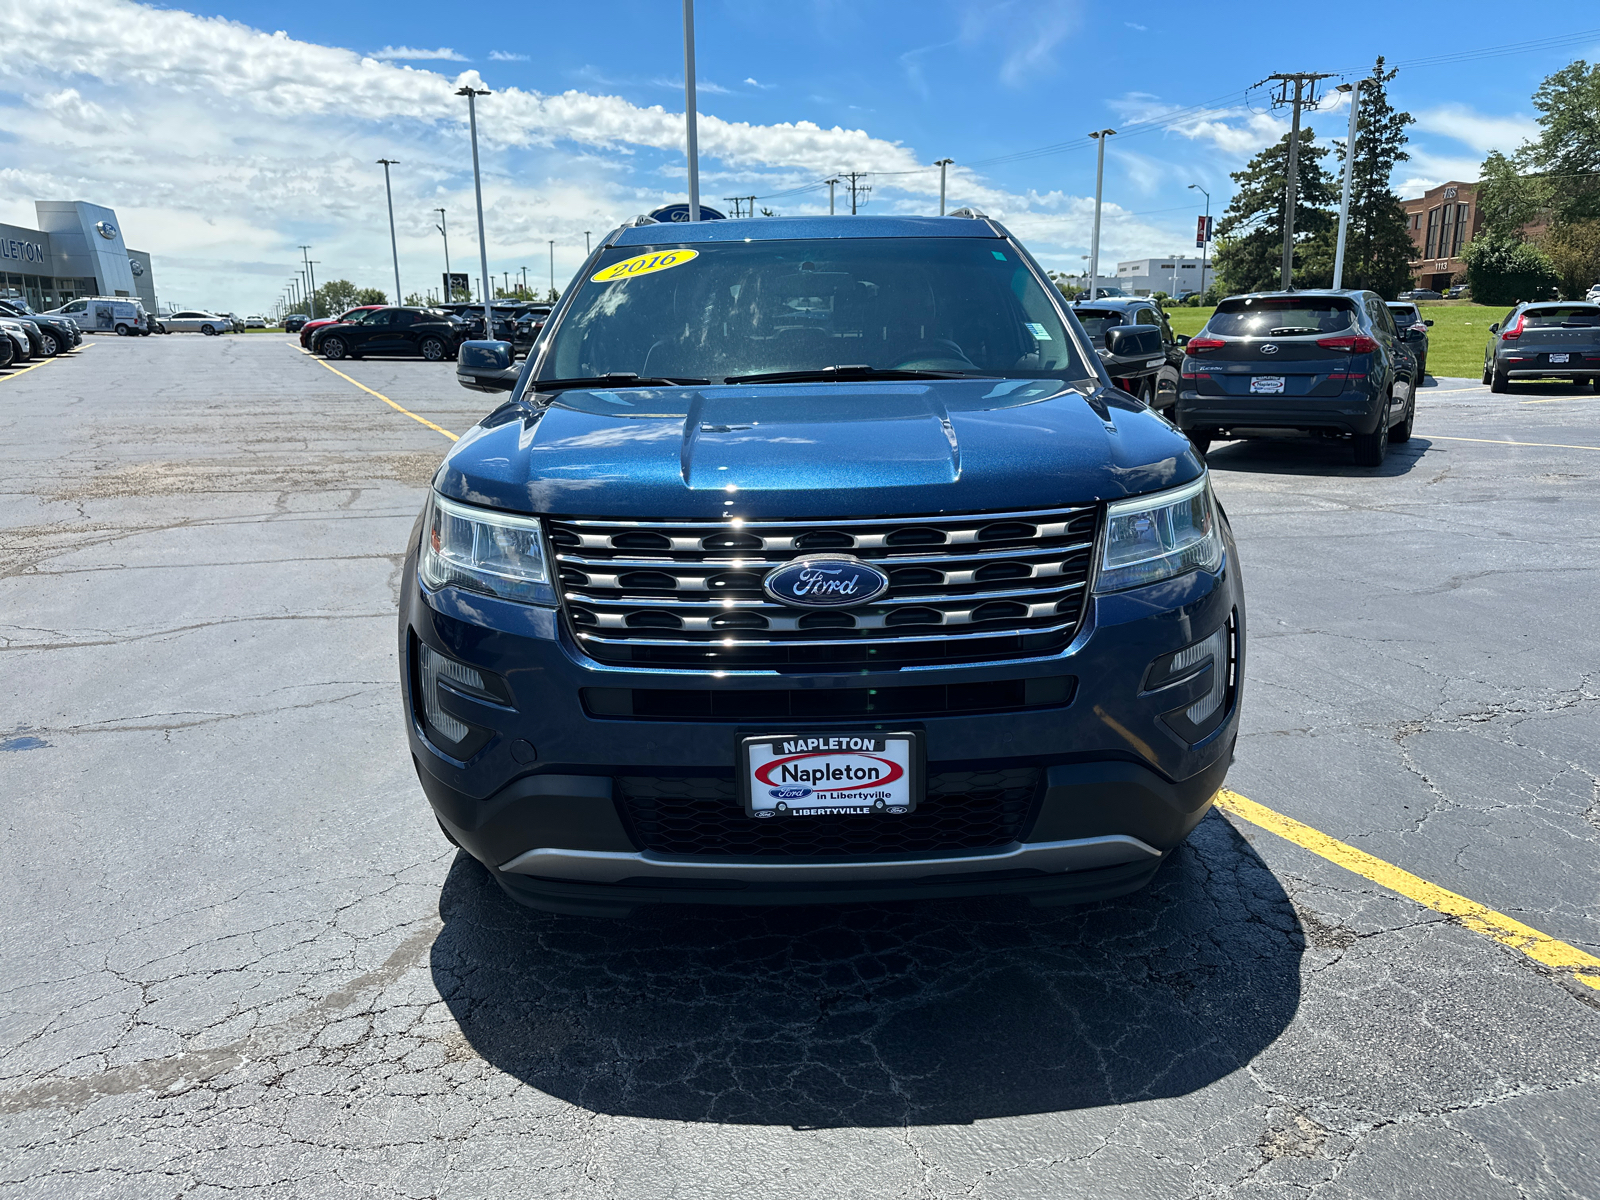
x=1455, y=343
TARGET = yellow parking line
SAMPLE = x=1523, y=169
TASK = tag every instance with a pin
x=1541, y=947
x=43, y=362
x=423, y=420
x=1502, y=442
x=1562, y=399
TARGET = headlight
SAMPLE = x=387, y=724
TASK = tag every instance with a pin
x=484, y=551
x=1151, y=538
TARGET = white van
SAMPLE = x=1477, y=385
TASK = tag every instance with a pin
x=107, y=314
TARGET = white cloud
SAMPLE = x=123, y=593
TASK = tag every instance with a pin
x=1140, y=28
x=1028, y=32
x=1472, y=128
x=755, y=83
x=394, y=53
x=503, y=56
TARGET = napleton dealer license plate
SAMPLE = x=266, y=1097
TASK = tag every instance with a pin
x=824, y=774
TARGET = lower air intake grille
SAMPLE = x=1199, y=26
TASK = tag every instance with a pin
x=963, y=810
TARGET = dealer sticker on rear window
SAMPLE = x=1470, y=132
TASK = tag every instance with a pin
x=812, y=775
x=644, y=264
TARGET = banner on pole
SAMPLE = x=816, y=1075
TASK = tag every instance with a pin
x=1202, y=231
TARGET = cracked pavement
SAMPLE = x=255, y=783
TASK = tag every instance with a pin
x=241, y=960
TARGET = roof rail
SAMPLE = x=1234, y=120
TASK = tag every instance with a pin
x=641, y=219
x=972, y=214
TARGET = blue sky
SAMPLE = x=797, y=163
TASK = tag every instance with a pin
x=227, y=134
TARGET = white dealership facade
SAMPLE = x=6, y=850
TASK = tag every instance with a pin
x=78, y=250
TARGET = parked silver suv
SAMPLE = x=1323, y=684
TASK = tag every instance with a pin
x=1559, y=338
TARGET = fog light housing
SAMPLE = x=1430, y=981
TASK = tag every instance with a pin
x=1215, y=660
x=435, y=677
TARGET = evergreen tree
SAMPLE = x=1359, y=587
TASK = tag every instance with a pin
x=1250, y=233
x=1378, y=248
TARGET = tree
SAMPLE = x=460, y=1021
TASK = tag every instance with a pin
x=1378, y=248
x=371, y=296
x=1567, y=150
x=1503, y=269
x=1573, y=248
x=1250, y=233
x=334, y=297
x=416, y=300
x=1508, y=200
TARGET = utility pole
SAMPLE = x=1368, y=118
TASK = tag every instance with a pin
x=1100, y=136
x=393, y=245
x=1305, y=96
x=736, y=201
x=689, y=118
x=858, y=190
x=1205, y=239
x=309, y=265
x=832, y=183
x=472, y=95
x=943, y=164
x=586, y=250
x=1349, y=169
x=752, y=211
x=311, y=292
x=552, y=267
x=524, y=294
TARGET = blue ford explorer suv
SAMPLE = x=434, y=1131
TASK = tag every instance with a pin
x=818, y=560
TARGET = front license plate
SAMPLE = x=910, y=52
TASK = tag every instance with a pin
x=830, y=774
x=1267, y=385
x=1555, y=358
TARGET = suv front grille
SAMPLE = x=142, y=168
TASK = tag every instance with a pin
x=962, y=810
x=969, y=588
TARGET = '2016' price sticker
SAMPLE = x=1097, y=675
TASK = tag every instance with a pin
x=644, y=264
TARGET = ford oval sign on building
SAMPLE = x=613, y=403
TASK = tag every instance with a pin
x=106, y=230
x=825, y=581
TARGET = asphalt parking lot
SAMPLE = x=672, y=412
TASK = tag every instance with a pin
x=239, y=958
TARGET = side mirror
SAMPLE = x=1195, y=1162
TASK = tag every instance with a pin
x=1495, y=328
x=486, y=367
x=1427, y=322
x=1182, y=339
x=1133, y=341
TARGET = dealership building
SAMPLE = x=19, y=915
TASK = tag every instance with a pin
x=76, y=251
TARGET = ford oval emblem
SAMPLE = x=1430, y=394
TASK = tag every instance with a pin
x=106, y=229
x=825, y=581
x=1269, y=348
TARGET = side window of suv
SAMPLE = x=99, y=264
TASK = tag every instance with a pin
x=404, y=319
x=1145, y=316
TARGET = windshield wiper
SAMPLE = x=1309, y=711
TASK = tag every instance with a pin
x=615, y=379
x=852, y=371
x=1291, y=330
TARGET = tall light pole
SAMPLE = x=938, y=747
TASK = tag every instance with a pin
x=1205, y=239
x=832, y=183
x=1100, y=136
x=552, y=268
x=472, y=95
x=442, y=233
x=393, y=245
x=586, y=250
x=311, y=292
x=689, y=119
x=943, y=164
x=524, y=283
x=1349, y=170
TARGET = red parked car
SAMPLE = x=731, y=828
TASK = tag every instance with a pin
x=311, y=327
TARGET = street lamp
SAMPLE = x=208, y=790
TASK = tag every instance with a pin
x=394, y=246
x=311, y=280
x=689, y=118
x=1100, y=136
x=1349, y=168
x=552, y=268
x=943, y=164
x=1205, y=239
x=586, y=251
x=448, y=295
x=472, y=95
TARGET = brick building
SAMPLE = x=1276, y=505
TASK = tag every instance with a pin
x=1442, y=220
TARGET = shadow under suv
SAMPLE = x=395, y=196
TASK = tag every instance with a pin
x=817, y=560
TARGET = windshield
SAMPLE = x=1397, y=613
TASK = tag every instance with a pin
x=1404, y=314
x=1095, y=322
x=711, y=311
x=1279, y=316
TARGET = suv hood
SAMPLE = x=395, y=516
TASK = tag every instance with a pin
x=803, y=450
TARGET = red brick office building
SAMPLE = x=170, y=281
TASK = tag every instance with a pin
x=1442, y=220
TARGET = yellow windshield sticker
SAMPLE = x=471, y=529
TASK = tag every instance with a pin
x=644, y=264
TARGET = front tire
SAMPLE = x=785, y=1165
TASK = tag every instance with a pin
x=1422, y=369
x=334, y=348
x=432, y=349
x=1487, y=377
x=51, y=346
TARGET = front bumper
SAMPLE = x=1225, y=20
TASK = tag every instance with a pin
x=542, y=803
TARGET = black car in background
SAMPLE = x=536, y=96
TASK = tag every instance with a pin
x=528, y=325
x=505, y=313
x=294, y=322
x=424, y=332
x=49, y=335
x=1542, y=339
x=1324, y=363
x=1409, y=321
x=1152, y=376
